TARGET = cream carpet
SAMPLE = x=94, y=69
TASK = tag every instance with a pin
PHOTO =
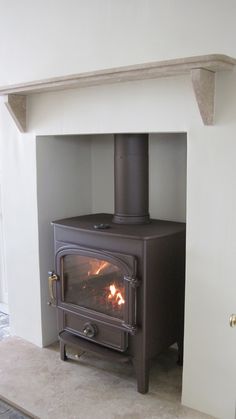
x=38, y=381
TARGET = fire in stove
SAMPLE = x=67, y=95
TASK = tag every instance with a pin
x=102, y=267
x=115, y=295
x=94, y=283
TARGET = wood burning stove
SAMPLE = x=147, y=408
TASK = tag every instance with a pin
x=120, y=279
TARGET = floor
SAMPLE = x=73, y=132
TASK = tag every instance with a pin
x=7, y=411
x=85, y=387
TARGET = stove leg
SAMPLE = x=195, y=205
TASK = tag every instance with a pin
x=142, y=374
x=63, y=351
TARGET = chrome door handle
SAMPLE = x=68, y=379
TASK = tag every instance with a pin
x=232, y=320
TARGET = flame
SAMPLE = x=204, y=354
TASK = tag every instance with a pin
x=112, y=289
x=103, y=265
x=115, y=295
x=120, y=300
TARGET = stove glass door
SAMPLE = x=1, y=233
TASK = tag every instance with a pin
x=93, y=283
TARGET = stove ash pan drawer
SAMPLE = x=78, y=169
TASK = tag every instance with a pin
x=93, y=330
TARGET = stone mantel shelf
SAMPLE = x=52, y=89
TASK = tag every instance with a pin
x=201, y=68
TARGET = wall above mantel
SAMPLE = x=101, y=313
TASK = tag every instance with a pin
x=202, y=70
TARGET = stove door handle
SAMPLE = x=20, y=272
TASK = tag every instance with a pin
x=51, y=279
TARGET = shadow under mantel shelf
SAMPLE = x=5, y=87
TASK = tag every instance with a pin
x=202, y=70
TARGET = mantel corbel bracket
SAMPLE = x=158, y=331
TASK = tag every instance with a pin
x=16, y=105
x=203, y=82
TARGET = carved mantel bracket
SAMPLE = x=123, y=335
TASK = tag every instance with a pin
x=201, y=68
x=203, y=82
x=16, y=105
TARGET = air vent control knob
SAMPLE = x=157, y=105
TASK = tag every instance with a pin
x=89, y=330
x=101, y=226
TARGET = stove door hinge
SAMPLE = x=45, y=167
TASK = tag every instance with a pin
x=133, y=282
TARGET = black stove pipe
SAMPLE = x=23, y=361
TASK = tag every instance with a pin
x=131, y=179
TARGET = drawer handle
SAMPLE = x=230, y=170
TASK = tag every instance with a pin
x=89, y=330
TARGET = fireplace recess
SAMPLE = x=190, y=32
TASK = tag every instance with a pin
x=119, y=280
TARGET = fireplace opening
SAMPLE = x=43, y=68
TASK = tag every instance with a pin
x=118, y=290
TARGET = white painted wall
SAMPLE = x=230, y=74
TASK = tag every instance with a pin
x=3, y=270
x=63, y=190
x=102, y=158
x=18, y=162
x=48, y=38
x=167, y=176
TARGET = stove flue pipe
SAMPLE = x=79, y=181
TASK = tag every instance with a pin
x=131, y=179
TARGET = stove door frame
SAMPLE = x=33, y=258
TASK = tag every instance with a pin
x=128, y=266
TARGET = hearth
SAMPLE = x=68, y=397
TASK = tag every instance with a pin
x=120, y=279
